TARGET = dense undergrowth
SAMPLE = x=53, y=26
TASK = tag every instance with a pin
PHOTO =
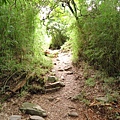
x=21, y=47
x=20, y=43
x=96, y=37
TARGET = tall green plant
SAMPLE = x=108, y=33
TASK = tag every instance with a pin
x=99, y=41
x=19, y=42
x=56, y=28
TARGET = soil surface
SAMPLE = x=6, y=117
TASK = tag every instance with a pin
x=60, y=104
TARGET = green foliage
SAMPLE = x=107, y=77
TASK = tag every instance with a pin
x=98, y=36
x=90, y=82
x=112, y=97
x=76, y=38
x=3, y=2
x=58, y=39
x=20, y=43
x=82, y=98
x=56, y=28
x=67, y=46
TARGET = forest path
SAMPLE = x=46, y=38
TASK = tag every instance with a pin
x=59, y=104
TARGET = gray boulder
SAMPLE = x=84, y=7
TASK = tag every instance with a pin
x=15, y=117
x=36, y=118
x=73, y=114
x=52, y=79
x=33, y=109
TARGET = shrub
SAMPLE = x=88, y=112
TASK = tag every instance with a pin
x=99, y=41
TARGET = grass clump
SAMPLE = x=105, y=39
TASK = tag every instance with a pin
x=90, y=82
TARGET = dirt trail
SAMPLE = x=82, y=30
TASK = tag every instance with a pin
x=57, y=104
x=61, y=104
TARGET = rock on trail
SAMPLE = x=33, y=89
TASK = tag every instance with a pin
x=58, y=104
x=55, y=105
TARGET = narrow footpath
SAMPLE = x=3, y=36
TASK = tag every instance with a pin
x=59, y=105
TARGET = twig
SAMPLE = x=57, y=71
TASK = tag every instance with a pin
x=9, y=79
x=87, y=118
x=23, y=82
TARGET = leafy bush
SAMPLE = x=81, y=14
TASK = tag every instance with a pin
x=98, y=36
x=57, y=41
x=57, y=28
x=20, y=44
x=58, y=36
